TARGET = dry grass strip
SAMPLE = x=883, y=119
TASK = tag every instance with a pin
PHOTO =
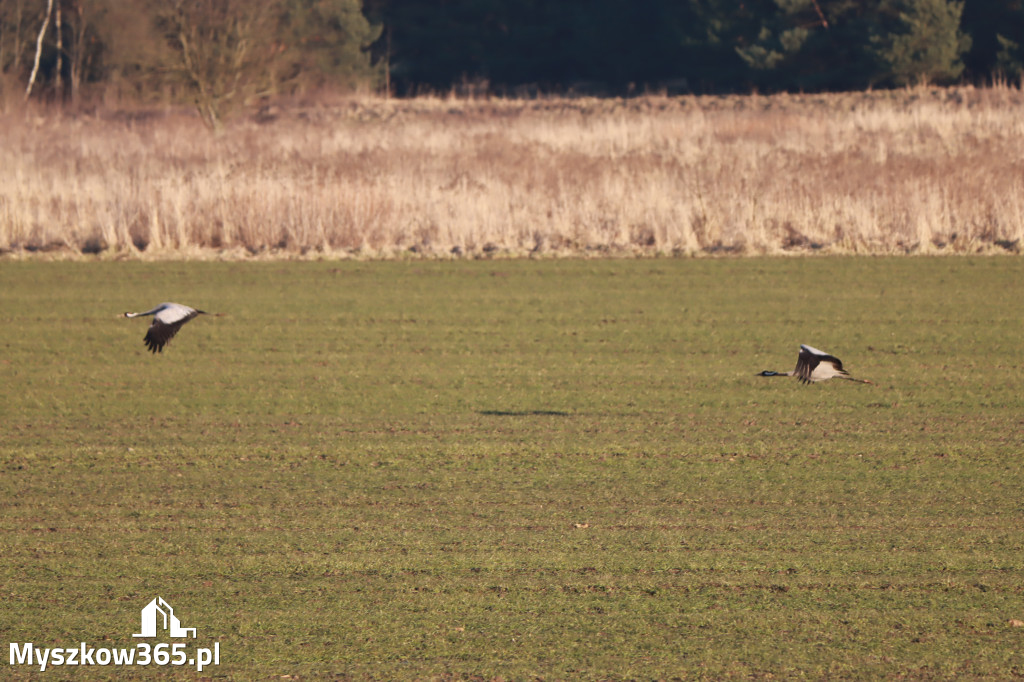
x=916, y=171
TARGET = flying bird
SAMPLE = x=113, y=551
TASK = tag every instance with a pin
x=168, y=318
x=815, y=365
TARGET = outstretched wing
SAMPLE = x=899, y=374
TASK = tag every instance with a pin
x=809, y=360
x=806, y=363
x=164, y=327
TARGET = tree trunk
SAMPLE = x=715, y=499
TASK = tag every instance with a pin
x=39, y=49
x=19, y=14
x=58, y=76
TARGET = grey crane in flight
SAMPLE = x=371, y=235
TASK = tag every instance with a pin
x=813, y=365
x=168, y=318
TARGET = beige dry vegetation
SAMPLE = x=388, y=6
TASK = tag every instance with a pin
x=911, y=171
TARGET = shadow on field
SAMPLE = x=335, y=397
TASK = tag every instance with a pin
x=524, y=413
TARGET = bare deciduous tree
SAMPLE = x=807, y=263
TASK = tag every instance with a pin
x=39, y=49
x=12, y=42
x=224, y=47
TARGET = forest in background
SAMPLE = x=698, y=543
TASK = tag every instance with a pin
x=220, y=54
x=697, y=46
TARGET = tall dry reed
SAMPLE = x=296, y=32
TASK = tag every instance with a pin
x=914, y=171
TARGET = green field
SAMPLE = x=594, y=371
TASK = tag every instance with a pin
x=520, y=469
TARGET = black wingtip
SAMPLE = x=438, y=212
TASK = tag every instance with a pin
x=153, y=346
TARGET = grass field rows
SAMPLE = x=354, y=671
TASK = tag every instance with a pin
x=558, y=469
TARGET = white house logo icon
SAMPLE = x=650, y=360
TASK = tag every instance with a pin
x=151, y=622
